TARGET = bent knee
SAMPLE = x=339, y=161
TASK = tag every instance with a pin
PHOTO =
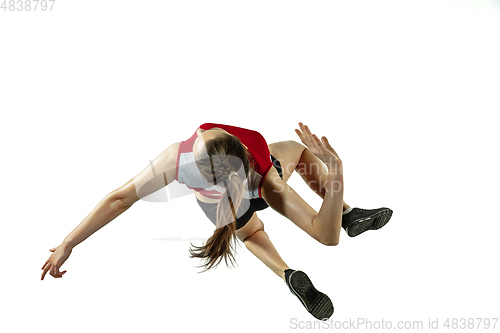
x=294, y=144
x=288, y=146
x=331, y=241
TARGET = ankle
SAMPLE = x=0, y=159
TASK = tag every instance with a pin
x=347, y=211
x=283, y=273
x=286, y=274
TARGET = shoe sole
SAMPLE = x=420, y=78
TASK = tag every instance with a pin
x=374, y=222
x=315, y=302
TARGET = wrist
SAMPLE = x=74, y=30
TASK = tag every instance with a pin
x=68, y=244
x=335, y=170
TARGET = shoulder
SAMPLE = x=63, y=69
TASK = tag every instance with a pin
x=174, y=148
x=171, y=154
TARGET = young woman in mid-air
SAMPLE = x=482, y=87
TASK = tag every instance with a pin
x=234, y=173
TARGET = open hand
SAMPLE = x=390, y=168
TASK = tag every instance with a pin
x=320, y=148
x=56, y=259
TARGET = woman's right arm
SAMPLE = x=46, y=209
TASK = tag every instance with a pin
x=159, y=173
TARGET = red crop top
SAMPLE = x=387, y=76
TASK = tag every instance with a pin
x=188, y=173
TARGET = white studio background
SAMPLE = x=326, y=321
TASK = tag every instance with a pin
x=406, y=92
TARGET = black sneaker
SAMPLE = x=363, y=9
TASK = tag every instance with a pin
x=315, y=302
x=359, y=220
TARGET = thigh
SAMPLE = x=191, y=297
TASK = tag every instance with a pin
x=259, y=203
x=252, y=226
x=288, y=153
x=283, y=199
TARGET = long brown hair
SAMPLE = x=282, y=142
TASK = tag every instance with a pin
x=226, y=161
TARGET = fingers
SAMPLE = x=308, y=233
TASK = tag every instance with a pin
x=58, y=274
x=45, y=264
x=45, y=271
x=329, y=147
x=51, y=266
x=54, y=271
x=304, y=133
x=300, y=135
x=305, y=130
x=307, y=138
x=326, y=143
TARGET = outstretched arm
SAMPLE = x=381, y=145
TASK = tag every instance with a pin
x=158, y=174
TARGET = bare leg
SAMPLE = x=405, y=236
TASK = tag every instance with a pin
x=314, y=173
x=260, y=245
x=293, y=156
x=325, y=225
x=257, y=241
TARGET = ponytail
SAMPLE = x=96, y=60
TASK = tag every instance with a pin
x=221, y=244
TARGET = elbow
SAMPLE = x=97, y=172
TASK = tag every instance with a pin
x=123, y=203
x=125, y=196
x=119, y=201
